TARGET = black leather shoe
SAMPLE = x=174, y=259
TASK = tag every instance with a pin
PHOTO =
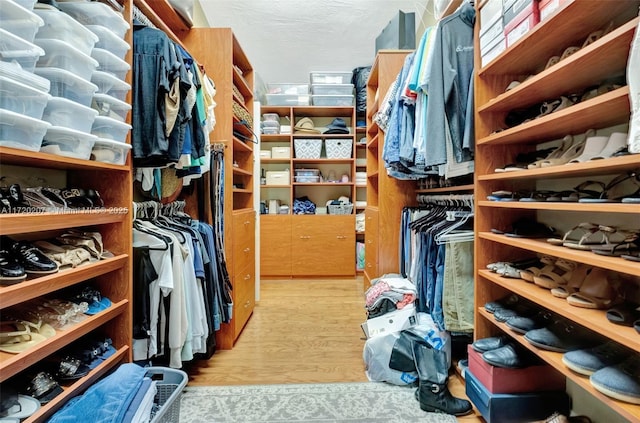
x=507, y=356
x=10, y=270
x=561, y=336
x=521, y=309
x=505, y=302
x=488, y=344
x=32, y=259
x=521, y=324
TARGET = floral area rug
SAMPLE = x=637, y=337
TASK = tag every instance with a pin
x=328, y=402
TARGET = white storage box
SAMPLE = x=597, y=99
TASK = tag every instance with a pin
x=332, y=89
x=265, y=154
x=110, y=63
x=110, y=107
x=111, y=129
x=63, y=55
x=18, y=20
x=278, y=177
x=287, y=100
x=21, y=98
x=281, y=152
x=330, y=77
x=94, y=13
x=307, y=148
x=109, y=151
x=68, y=143
x=338, y=148
x=490, y=13
x=287, y=88
x=109, y=41
x=14, y=71
x=60, y=26
x=20, y=131
x=332, y=100
x=69, y=114
x=110, y=85
x=66, y=84
x=14, y=48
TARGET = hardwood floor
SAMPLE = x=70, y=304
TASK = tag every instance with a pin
x=302, y=331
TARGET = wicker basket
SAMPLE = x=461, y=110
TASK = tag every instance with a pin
x=307, y=148
x=242, y=114
x=340, y=208
x=338, y=148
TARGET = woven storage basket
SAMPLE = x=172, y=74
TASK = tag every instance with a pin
x=242, y=114
x=338, y=148
x=238, y=94
x=340, y=208
x=307, y=148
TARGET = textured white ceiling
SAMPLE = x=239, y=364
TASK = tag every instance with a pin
x=286, y=39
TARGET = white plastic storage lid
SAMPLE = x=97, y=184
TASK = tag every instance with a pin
x=20, y=131
x=109, y=84
x=110, y=151
x=66, y=84
x=110, y=41
x=63, y=55
x=68, y=142
x=109, y=106
x=112, y=129
x=22, y=98
x=60, y=26
x=110, y=63
x=14, y=48
x=63, y=112
x=15, y=71
x=18, y=20
x=95, y=13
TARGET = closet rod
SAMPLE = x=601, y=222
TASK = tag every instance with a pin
x=157, y=21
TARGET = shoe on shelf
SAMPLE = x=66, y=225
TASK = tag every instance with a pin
x=615, y=143
x=522, y=325
x=523, y=309
x=491, y=343
x=598, y=291
x=574, y=283
x=560, y=336
x=620, y=381
x=30, y=257
x=593, y=146
x=508, y=356
x=589, y=360
x=559, y=275
x=11, y=271
x=504, y=302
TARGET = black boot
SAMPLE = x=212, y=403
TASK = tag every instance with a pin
x=433, y=374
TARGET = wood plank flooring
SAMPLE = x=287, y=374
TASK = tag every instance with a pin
x=302, y=331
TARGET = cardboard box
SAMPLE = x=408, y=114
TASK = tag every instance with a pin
x=501, y=46
x=489, y=38
x=490, y=13
x=509, y=408
x=499, y=380
x=394, y=321
x=281, y=152
x=547, y=7
x=516, y=9
x=278, y=177
x=265, y=154
x=514, y=33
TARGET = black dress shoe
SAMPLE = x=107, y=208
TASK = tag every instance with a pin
x=505, y=302
x=488, y=344
x=506, y=356
x=10, y=270
x=522, y=324
x=30, y=257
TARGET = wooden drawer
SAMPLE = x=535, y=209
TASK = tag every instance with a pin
x=371, y=242
x=275, y=245
x=244, y=293
x=244, y=240
x=323, y=245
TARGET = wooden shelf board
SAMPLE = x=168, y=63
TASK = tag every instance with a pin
x=616, y=264
x=562, y=206
x=458, y=188
x=243, y=172
x=267, y=161
x=275, y=186
x=78, y=386
x=373, y=175
x=628, y=411
x=323, y=184
x=19, y=223
x=603, y=111
x=242, y=84
x=275, y=137
x=242, y=191
x=321, y=161
x=373, y=129
x=34, y=288
x=373, y=144
x=241, y=146
x=323, y=111
x=19, y=157
x=12, y=364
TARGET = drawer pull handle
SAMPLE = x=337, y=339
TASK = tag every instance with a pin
x=246, y=278
x=247, y=304
x=246, y=222
x=341, y=236
x=246, y=250
x=305, y=236
x=369, y=241
x=369, y=265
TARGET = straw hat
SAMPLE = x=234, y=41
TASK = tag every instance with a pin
x=305, y=126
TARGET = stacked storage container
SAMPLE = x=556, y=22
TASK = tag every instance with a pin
x=331, y=89
x=23, y=95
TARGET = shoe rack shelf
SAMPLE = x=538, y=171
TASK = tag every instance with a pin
x=497, y=145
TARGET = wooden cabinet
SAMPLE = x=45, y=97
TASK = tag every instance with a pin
x=569, y=25
x=371, y=241
x=386, y=196
x=275, y=245
x=218, y=50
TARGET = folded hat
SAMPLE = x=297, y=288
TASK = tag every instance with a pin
x=305, y=125
x=338, y=126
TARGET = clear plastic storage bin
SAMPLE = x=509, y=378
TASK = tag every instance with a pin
x=18, y=20
x=110, y=107
x=109, y=41
x=95, y=13
x=20, y=131
x=110, y=85
x=330, y=77
x=110, y=63
x=287, y=100
x=109, y=151
x=14, y=71
x=22, y=98
x=14, y=48
x=104, y=127
x=69, y=114
x=332, y=89
x=332, y=100
x=68, y=143
x=60, y=26
x=66, y=84
x=288, y=88
x=63, y=55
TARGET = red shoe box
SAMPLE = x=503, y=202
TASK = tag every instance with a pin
x=499, y=380
x=516, y=27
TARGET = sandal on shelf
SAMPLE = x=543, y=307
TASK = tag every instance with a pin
x=624, y=314
x=91, y=241
x=71, y=368
x=539, y=195
x=569, y=51
x=553, y=106
x=578, y=276
x=557, y=152
x=560, y=274
x=16, y=337
x=573, y=151
x=596, y=292
x=583, y=191
x=43, y=387
x=631, y=257
x=599, y=238
x=629, y=245
x=526, y=228
x=582, y=230
x=613, y=191
x=546, y=264
x=596, y=35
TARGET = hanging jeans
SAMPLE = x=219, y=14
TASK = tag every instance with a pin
x=457, y=292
